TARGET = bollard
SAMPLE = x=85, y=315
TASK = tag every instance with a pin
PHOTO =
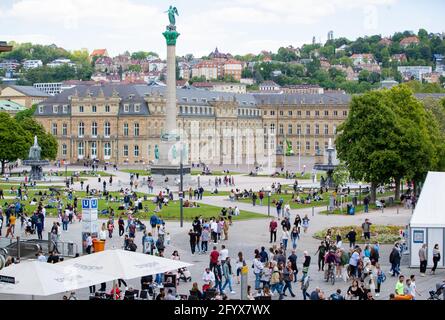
x=397, y=210
x=313, y=210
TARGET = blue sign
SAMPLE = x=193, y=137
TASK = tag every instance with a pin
x=89, y=203
x=418, y=236
x=85, y=203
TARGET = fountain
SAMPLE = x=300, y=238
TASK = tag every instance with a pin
x=328, y=168
x=35, y=162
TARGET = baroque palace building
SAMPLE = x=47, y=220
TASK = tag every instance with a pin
x=121, y=123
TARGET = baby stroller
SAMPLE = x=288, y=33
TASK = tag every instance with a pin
x=435, y=295
x=184, y=275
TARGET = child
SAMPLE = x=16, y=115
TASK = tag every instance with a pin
x=167, y=238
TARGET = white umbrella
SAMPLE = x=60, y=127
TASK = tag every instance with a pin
x=44, y=279
x=121, y=264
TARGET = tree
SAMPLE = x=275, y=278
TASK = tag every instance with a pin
x=15, y=141
x=28, y=113
x=340, y=175
x=135, y=68
x=47, y=141
x=140, y=55
x=367, y=140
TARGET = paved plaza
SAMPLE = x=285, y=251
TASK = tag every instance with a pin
x=248, y=235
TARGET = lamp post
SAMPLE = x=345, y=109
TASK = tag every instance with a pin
x=199, y=181
x=268, y=201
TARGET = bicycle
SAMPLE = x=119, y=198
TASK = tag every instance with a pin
x=330, y=276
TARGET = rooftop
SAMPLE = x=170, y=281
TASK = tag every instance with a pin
x=29, y=91
x=6, y=105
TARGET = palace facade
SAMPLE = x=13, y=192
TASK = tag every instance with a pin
x=119, y=123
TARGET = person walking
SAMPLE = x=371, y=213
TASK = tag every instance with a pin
x=288, y=277
x=394, y=259
x=228, y=275
x=285, y=238
x=121, y=225
x=205, y=237
x=273, y=226
x=306, y=265
x=254, y=197
x=192, y=235
x=423, y=260
x=322, y=248
x=294, y=237
x=305, y=223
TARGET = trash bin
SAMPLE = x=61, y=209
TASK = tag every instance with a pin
x=98, y=245
x=354, y=201
x=70, y=249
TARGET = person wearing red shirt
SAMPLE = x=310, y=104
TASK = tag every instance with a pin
x=273, y=226
x=214, y=257
x=116, y=292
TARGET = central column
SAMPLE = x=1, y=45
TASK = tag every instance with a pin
x=167, y=168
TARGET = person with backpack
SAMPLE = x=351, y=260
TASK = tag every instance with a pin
x=276, y=282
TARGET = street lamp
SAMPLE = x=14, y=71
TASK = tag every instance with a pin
x=269, y=191
x=199, y=181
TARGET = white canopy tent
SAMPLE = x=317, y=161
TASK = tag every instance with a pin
x=427, y=223
x=44, y=279
x=121, y=264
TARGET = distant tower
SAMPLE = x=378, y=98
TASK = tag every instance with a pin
x=314, y=40
x=330, y=35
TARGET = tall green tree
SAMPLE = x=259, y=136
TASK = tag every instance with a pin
x=14, y=141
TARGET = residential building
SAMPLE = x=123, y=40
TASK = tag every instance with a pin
x=157, y=65
x=221, y=86
x=105, y=64
x=233, y=68
x=385, y=42
x=26, y=96
x=433, y=77
x=388, y=84
x=9, y=65
x=209, y=69
x=4, y=47
x=60, y=62
x=10, y=107
x=414, y=72
x=363, y=58
x=269, y=86
x=219, y=56
x=49, y=88
x=99, y=53
x=247, y=81
x=400, y=58
x=32, y=64
x=303, y=89
x=406, y=42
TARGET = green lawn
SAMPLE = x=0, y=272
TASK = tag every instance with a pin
x=141, y=172
x=170, y=212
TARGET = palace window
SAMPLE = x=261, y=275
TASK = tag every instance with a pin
x=137, y=108
x=136, y=129
x=289, y=129
x=326, y=113
x=308, y=145
x=126, y=108
x=55, y=109
x=93, y=109
x=299, y=129
x=64, y=150
x=64, y=129
x=308, y=113
x=281, y=129
x=41, y=109
x=272, y=128
x=125, y=151
x=80, y=148
x=136, y=151
x=326, y=129
x=308, y=129
x=65, y=109
x=54, y=129
x=317, y=146
x=317, y=129
x=81, y=130
x=126, y=129
x=107, y=108
x=107, y=149
x=107, y=129
x=94, y=129
x=80, y=109
x=94, y=149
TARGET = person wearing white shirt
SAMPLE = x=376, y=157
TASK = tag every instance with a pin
x=257, y=270
x=236, y=211
x=223, y=254
x=41, y=257
x=208, y=276
x=214, y=227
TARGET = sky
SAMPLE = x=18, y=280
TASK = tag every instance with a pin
x=235, y=26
